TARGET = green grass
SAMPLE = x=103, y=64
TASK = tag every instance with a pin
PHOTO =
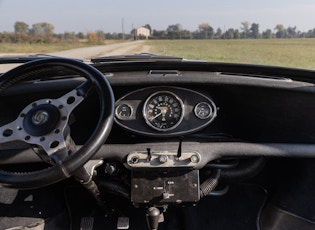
x=298, y=53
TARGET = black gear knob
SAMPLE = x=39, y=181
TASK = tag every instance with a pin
x=153, y=218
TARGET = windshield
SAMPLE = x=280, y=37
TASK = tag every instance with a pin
x=277, y=33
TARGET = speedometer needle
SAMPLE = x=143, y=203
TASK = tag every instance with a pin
x=157, y=115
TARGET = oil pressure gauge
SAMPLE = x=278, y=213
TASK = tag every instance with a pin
x=203, y=110
x=123, y=111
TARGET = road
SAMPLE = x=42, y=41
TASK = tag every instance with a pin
x=93, y=51
x=106, y=50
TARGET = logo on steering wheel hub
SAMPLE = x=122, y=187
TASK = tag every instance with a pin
x=40, y=117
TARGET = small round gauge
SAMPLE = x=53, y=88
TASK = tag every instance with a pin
x=123, y=111
x=203, y=110
x=163, y=111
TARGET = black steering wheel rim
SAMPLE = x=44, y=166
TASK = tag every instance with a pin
x=68, y=166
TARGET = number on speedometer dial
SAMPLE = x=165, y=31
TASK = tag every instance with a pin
x=163, y=111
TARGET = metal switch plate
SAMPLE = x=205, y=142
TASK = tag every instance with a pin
x=161, y=187
x=163, y=159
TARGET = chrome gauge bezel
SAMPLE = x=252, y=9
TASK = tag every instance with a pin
x=147, y=119
x=123, y=117
x=211, y=109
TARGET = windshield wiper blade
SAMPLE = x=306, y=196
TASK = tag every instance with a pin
x=136, y=57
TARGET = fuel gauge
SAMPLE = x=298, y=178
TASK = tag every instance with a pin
x=123, y=111
x=203, y=110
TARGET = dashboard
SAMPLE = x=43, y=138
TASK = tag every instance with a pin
x=200, y=109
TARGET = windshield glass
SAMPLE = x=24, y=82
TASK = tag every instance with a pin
x=278, y=33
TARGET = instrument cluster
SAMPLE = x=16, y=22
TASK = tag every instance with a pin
x=164, y=111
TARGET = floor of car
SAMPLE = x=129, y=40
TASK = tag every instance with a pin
x=210, y=213
x=275, y=218
x=49, y=208
x=37, y=209
x=68, y=205
x=291, y=203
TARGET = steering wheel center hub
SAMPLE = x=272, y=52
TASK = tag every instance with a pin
x=41, y=119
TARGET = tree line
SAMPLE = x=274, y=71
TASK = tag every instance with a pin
x=43, y=32
x=246, y=31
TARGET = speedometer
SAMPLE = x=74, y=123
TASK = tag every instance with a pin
x=163, y=111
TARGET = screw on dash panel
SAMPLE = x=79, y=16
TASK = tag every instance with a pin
x=194, y=159
x=163, y=159
x=134, y=159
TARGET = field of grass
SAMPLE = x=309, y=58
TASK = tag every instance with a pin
x=298, y=53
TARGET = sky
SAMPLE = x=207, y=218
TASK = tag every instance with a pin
x=110, y=15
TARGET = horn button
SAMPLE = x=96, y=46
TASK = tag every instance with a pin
x=41, y=120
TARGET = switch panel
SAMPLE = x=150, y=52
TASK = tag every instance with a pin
x=162, y=159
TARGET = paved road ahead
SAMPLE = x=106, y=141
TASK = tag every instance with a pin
x=94, y=51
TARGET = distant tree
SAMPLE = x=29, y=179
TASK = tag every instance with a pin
x=21, y=27
x=237, y=34
x=186, y=34
x=120, y=36
x=310, y=33
x=80, y=35
x=280, y=31
x=159, y=34
x=174, y=31
x=92, y=37
x=100, y=36
x=254, y=30
x=267, y=34
x=108, y=36
x=218, y=33
x=69, y=36
x=245, y=29
x=300, y=34
x=206, y=31
x=42, y=28
x=229, y=34
x=42, y=32
x=291, y=32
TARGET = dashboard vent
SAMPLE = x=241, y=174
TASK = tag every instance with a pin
x=164, y=73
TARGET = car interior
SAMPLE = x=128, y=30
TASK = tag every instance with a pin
x=147, y=141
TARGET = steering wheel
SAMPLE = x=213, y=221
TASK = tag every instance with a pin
x=44, y=122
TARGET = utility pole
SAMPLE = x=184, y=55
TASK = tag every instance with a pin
x=133, y=32
x=122, y=29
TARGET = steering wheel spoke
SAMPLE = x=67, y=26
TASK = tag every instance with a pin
x=14, y=132
x=67, y=103
x=85, y=88
x=10, y=132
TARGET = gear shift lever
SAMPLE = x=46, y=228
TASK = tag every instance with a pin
x=154, y=217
